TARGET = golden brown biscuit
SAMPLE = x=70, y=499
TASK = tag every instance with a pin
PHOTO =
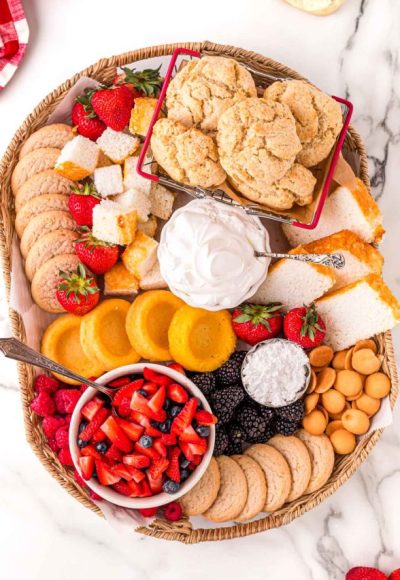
x=318, y=117
x=55, y=135
x=204, y=493
x=204, y=89
x=187, y=155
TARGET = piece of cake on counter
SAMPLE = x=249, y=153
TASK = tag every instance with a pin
x=78, y=158
x=113, y=223
x=294, y=283
x=117, y=145
x=357, y=311
x=137, y=200
x=141, y=255
x=361, y=258
x=120, y=282
x=108, y=180
x=345, y=209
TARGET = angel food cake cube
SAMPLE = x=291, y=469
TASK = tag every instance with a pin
x=162, y=201
x=108, y=180
x=113, y=223
x=137, y=200
x=78, y=158
x=141, y=115
x=117, y=145
x=119, y=281
x=132, y=180
x=141, y=255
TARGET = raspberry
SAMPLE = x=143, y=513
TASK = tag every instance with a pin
x=62, y=437
x=43, y=405
x=46, y=384
x=68, y=419
x=66, y=400
x=365, y=573
x=148, y=512
x=64, y=456
x=51, y=424
x=173, y=511
x=53, y=444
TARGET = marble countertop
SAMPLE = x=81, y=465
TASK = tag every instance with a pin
x=45, y=533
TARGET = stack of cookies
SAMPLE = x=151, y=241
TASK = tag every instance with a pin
x=263, y=479
x=265, y=146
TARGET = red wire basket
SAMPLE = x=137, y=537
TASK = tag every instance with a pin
x=219, y=194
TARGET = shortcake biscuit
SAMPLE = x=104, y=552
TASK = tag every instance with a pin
x=201, y=497
x=232, y=494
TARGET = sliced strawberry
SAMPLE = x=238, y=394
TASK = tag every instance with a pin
x=122, y=488
x=155, y=484
x=177, y=393
x=149, y=452
x=177, y=367
x=145, y=422
x=105, y=475
x=90, y=409
x=173, y=470
x=145, y=490
x=116, y=434
x=140, y=404
x=187, y=452
x=113, y=453
x=137, y=474
x=137, y=460
x=160, y=448
x=198, y=448
x=126, y=391
x=87, y=465
x=203, y=417
x=157, y=400
x=150, y=388
x=94, y=424
x=91, y=451
x=98, y=436
x=122, y=470
x=135, y=488
x=185, y=417
x=158, y=467
x=124, y=409
x=131, y=429
x=120, y=382
x=154, y=377
x=168, y=439
x=189, y=435
x=160, y=416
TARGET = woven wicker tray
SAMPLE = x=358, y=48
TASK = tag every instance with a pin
x=104, y=71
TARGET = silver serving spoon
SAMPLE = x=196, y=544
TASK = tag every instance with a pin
x=333, y=260
x=17, y=350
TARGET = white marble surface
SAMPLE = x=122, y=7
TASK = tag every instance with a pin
x=46, y=534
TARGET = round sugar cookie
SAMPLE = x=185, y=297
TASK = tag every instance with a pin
x=322, y=458
x=33, y=163
x=257, y=487
x=298, y=458
x=48, y=246
x=204, y=493
x=44, y=223
x=38, y=205
x=232, y=494
x=277, y=474
x=48, y=181
x=55, y=135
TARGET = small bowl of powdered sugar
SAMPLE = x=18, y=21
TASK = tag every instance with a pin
x=276, y=372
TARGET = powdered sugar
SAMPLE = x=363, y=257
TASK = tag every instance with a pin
x=276, y=372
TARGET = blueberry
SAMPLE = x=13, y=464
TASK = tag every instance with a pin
x=166, y=426
x=199, y=403
x=203, y=430
x=167, y=404
x=146, y=441
x=82, y=443
x=82, y=426
x=170, y=486
x=102, y=447
x=184, y=463
x=105, y=398
x=143, y=393
x=185, y=474
x=175, y=410
x=135, y=377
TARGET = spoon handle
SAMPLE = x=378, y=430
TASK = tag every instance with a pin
x=334, y=260
x=17, y=350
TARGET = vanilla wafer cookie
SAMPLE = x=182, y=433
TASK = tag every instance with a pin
x=42, y=224
x=55, y=135
x=257, y=487
x=298, y=458
x=232, y=494
x=204, y=493
x=33, y=163
x=322, y=458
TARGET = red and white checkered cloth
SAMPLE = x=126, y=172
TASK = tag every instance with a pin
x=14, y=34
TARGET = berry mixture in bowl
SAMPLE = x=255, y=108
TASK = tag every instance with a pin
x=150, y=444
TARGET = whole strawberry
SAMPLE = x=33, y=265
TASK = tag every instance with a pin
x=395, y=575
x=81, y=202
x=87, y=123
x=365, y=573
x=77, y=292
x=97, y=255
x=254, y=323
x=142, y=83
x=113, y=106
x=304, y=326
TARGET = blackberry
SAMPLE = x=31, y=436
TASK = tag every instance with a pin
x=234, y=448
x=266, y=413
x=252, y=423
x=221, y=441
x=285, y=427
x=293, y=412
x=224, y=402
x=205, y=381
x=236, y=433
x=230, y=372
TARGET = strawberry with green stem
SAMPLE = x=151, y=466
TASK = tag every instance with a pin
x=77, y=292
x=85, y=119
x=147, y=82
x=97, y=255
x=83, y=198
x=304, y=326
x=254, y=323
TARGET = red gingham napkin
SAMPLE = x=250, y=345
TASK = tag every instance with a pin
x=14, y=34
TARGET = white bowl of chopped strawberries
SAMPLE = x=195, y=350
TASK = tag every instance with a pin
x=149, y=445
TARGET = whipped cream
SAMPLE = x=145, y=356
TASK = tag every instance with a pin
x=206, y=254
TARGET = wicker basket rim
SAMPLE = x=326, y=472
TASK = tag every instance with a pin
x=104, y=70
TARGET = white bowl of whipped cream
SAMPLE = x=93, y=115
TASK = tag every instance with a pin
x=207, y=254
